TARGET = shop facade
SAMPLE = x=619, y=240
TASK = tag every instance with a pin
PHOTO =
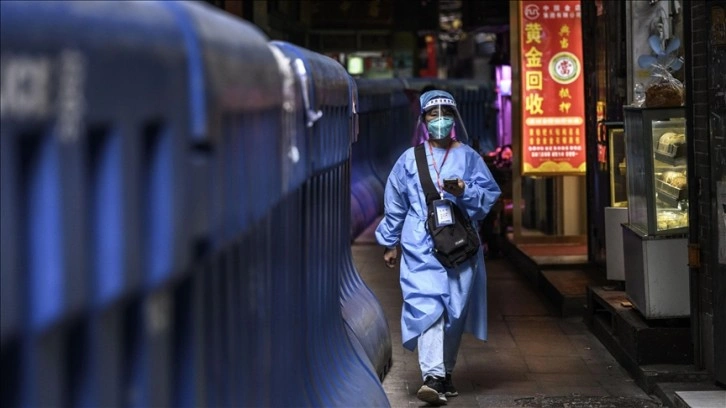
x=656, y=174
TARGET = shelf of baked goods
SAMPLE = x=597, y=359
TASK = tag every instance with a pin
x=671, y=148
x=671, y=189
x=671, y=180
x=671, y=219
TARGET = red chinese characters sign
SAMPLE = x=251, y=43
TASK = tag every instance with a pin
x=552, y=88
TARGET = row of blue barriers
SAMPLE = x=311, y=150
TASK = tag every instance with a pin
x=179, y=196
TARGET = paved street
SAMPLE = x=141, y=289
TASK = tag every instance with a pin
x=533, y=358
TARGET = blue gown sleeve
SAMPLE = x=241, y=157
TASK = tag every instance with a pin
x=395, y=206
x=481, y=190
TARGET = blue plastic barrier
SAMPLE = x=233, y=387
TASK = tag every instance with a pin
x=386, y=121
x=52, y=144
x=347, y=354
x=229, y=343
x=94, y=138
x=362, y=312
x=173, y=233
x=386, y=129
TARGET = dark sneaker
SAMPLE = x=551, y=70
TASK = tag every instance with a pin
x=432, y=391
x=449, y=389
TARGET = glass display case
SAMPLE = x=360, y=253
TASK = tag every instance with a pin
x=657, y=187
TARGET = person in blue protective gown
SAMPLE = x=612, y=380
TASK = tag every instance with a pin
x=439, y=303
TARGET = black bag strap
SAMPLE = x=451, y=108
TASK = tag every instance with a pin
x=424, y=176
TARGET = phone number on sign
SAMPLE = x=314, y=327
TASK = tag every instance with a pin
x=553, y=154
x=554, y=148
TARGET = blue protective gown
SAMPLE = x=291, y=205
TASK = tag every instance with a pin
x=428, y=288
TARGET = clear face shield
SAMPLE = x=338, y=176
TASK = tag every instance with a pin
x=440, y=119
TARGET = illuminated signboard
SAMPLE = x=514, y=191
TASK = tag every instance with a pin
x=552, y=88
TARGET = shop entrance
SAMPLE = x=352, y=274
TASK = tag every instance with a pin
x=548, y=219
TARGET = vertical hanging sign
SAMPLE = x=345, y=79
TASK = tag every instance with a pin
x=552, y=88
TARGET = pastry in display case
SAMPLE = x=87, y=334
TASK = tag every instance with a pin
x=657, y=179
x=671, y=189
x=671, y=147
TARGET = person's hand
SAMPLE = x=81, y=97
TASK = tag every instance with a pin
x=457, y=189
x=390, y=255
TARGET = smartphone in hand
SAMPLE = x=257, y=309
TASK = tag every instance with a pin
x=451, y=183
